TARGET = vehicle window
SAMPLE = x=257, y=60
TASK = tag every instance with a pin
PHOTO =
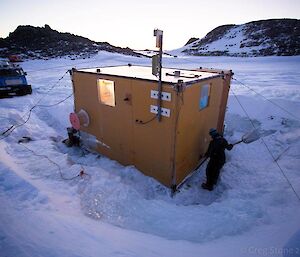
x=11, y=72
x=20, y=72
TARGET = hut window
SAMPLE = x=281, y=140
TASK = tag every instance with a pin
x=106, y=92
x=204, y=96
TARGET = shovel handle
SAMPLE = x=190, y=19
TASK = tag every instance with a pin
x=238, y=142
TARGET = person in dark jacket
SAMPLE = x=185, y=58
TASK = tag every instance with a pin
x=216, y=155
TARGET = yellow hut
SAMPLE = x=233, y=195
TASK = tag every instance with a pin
x=116, y=110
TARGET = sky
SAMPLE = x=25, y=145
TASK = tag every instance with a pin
x=130, y=23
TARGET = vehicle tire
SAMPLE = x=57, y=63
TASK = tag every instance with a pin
x=29, y=90
x=25, y=91
x=20, y=92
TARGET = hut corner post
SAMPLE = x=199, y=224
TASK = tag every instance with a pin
x=179, y=90
x=226, y=76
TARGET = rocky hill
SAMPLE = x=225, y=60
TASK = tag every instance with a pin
x=44, y=42
x=257, y=38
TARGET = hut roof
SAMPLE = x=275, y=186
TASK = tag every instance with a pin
x=169, y=75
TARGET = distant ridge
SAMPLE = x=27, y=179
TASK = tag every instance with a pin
x=257, y=38
x=44, y=42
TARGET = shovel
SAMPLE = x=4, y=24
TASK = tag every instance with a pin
x=249, y=137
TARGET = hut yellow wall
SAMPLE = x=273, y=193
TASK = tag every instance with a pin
x=147, y=146
x=111, y=125
x=152, y=141
x=192, y=136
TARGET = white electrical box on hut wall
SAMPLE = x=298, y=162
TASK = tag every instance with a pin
x=164, y=111
x=164, y=95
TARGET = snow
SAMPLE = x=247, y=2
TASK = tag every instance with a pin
x=151, y=53
x=116, y=211
x=234, y=43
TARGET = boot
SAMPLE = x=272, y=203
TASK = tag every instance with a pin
x=207, y=187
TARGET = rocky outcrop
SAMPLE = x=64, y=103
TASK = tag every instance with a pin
x=44, y=42
x=258, y=38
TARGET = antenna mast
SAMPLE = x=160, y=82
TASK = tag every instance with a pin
x=157, y=66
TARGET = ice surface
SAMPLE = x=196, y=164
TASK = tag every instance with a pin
x=117, y=211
